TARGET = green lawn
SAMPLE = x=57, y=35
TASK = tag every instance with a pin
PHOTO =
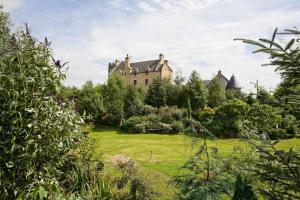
x=159, y=156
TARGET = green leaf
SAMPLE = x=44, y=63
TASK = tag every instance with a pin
x=272, y=43
x=42, y=193
x=291, y=42
x=273, y=36
x=9, y=164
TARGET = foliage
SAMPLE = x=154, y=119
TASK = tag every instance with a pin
x=263, y=117
x=41, y=138
x=204, y=174
x=287, y=95
x=284, y=55
x=232, y=94
x=90, y=100
x=216, y=93
x=130, y=185
x=132, y=102
x=243, y=189
x=113, y=96
x=205, y=117
x=264, y=97
x=228, y=117
x=196, y=91
x=277, y=171
x=150, y=124
x=157, y=93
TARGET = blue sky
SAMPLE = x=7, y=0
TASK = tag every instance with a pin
x=192, y=34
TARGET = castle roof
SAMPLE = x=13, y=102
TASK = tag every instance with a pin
x=142, y=67
x=233, y=83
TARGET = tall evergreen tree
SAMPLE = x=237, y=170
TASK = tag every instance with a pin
x=157, y=94
x=132, y=101
x=113, y=94
x=196, y=91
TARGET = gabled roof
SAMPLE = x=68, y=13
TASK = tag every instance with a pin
x=142, y=67
x=206, y=82
x=233, y=83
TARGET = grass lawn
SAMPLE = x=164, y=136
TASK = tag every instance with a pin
x=159, y=156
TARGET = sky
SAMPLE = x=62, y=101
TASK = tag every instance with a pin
x=192, y=34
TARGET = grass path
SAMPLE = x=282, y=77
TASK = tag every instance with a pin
x=159, y=156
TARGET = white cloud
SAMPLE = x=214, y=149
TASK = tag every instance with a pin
x=194, y=40
x=193, y=34
x=10, y=5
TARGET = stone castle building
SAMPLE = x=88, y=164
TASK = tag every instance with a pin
x=142, y=74
x=231, y=84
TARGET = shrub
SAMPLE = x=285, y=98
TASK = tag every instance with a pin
x=228, y=118
x=205, y=116
x=264, y=117
x=39, y=133
x=150, y=124
x=177, y=126
x=130, y=184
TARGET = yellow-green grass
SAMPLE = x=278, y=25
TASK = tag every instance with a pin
x=159, y=156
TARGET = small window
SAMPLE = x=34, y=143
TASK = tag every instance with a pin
x=134, y=82
x=146, y=81
x=125, y=73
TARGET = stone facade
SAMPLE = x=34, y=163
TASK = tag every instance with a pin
x=142, y=74
x=226, y=84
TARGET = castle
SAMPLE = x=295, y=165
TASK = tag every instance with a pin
x=142, y=74
x=231, y=84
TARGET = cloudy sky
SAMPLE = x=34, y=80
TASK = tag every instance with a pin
x=192, y=34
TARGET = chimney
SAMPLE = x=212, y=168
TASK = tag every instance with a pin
x=127, y=61
x=117, y=62
x=219, y=72
x=161, y=58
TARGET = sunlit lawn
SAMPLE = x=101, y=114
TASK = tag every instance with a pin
x=159, y=156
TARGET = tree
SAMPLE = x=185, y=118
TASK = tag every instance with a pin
x=264, y=117
x=157, y=93
x=113, y=95
x=243, y=189
x=265, y=97
x=133, y=101
x=228, y=117
x=90, y=100
x=206, y=176
x=285, y=57
x=196, y=91
x=216, y=94
x=38, y=133
x=275, y=171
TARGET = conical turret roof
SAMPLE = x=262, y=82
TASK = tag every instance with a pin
x=233, y=83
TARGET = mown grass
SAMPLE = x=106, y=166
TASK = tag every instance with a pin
x=159, y=156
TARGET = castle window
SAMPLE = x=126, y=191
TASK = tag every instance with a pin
x=134, y=82
x=146, y=81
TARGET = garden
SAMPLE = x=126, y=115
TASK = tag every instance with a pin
x=55, y=143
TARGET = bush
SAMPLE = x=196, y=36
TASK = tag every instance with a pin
x=150, y=124
x=228, y=117
x=177, y=126
x=39, y=133
x=205, y=116
x=130, y=184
